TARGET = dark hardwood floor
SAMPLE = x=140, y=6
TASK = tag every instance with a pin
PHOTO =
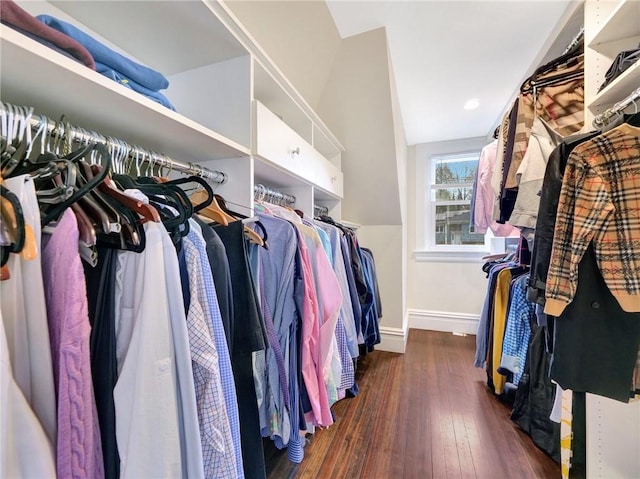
x=425, y=414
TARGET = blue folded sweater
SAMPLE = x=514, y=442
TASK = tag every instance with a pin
x=142, y=75
x=117, y=77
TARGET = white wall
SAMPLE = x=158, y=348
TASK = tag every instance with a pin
x=299, y=36
x=440, y=295
x=387, y=244
x=356, y=105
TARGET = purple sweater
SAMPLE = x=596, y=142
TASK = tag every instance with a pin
x=79, y=450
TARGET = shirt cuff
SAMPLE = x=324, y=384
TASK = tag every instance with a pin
x=554, y=307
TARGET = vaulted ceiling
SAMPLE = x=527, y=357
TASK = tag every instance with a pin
x=447, y=53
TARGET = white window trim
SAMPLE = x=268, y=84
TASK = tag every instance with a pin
x=430, y=210
x=426, y=249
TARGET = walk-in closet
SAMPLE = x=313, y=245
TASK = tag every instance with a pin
x=319, y=239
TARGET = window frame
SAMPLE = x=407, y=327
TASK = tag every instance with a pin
x=430, y=205
x=421, y=252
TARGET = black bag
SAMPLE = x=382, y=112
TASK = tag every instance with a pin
x=621, y=62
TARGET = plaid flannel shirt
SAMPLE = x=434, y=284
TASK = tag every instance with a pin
x=599, y=202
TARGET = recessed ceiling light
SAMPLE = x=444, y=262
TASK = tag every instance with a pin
x=472, y=104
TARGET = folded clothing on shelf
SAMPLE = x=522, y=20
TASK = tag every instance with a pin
x=117, y=77
x=621, y=63
x=142, y=75
x=14, y=16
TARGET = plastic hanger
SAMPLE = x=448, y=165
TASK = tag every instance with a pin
x=55, y=212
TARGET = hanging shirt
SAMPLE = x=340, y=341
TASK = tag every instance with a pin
x=530, y=174
x=248, y=337
x=346, y=311
x=485, y=196
x=599, y=203
x=25, y=449
x=219, y=265
x=277, y=276
x=101, y=285
x=327, y=305
x=147, y=419
x=79, y=449
x=215, y=432
x=219, y=336
x=310, y=342
x=518, y=330
x=372, y=336
x=25, y=318
x=353, y=289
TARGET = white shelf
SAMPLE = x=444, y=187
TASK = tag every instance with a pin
x=623, y=22
x=34, y=75
x=617, y=89
x=169, y=36
x=271, y=94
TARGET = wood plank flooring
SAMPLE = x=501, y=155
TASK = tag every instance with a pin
x=425, y=414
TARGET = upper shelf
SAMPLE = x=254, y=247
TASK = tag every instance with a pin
x=622, y=22
x=617, y=89
x=35, y=75
x=170, y=37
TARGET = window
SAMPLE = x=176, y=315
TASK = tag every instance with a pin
x=450, y=184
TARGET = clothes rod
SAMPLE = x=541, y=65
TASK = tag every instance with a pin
x=261, y=192
x=63, y=130
x=605, y=117
x=577, y=39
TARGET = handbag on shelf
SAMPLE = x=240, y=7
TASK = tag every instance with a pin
x=621, y=63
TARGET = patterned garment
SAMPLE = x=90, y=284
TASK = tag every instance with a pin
x=348, y=374
x=560, y=105
x=599, y=203
x=217, y=444
x=208, y=289
x=276, y=375
x=518, y=330
x=566, y=432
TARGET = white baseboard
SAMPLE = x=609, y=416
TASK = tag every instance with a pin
x=393, y=340
x=443, y=321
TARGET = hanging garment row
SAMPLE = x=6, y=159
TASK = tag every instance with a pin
x=570, y=325
x=183, y=335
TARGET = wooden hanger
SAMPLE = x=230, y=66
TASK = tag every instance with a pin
x=213, y=211
x=251, y=235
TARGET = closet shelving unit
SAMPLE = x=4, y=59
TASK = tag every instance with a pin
x=613, y=428
x=236, y=112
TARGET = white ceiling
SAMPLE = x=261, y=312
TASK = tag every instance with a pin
x=447, y=52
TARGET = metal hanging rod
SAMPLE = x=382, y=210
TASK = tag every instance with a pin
x=262, y=193
x=606, y=116
x=320, y=210
x=65, y=131
x=577, y=39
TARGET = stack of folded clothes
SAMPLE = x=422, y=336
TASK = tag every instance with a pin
x=18, y=19
x=111, y=64
x=74, y=43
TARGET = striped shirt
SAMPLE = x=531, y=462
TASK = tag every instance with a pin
x=599, y=203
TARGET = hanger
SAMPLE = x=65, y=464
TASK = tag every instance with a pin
x=13, y=218
x=55, y=212
x=213, y=211
x=569, y=60
x=249, y=233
